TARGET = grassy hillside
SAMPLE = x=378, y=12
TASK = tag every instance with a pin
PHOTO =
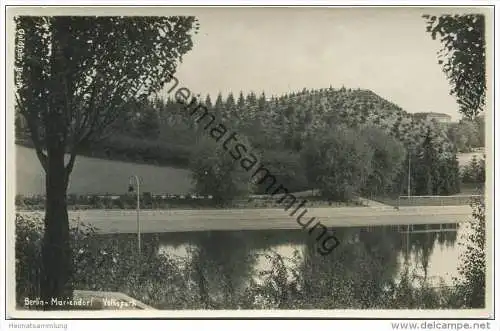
x=161, y=133
x=100, y=176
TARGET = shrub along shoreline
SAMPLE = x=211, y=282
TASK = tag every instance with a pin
x=149, y=201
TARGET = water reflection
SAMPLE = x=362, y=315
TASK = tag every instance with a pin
x=222, y=262
x=355, y=275
x=432, y=242
x=283, y=269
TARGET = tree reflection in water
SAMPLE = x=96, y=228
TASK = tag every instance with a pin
x=356, y=273
x=368, y=270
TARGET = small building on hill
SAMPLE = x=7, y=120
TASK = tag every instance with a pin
x=438, y=117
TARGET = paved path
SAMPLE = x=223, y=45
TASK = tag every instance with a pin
x=124, y=221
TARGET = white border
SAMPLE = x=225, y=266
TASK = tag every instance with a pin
x=255, y=314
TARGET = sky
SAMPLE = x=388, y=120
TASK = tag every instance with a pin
x=280, y=50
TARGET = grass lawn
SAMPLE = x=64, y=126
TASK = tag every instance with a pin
x=98, y=176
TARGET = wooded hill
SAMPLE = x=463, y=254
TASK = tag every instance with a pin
x=341, y=141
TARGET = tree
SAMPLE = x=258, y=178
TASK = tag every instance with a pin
x=215, y=173
x=208, y=102
x=230, y=108
x=148, y=123
x=338, y=162
x=467, y=134
x=475, y=171
x=462, y=57
x=77, y=74
x=219, y=106
x=481, y=130
x=20, y=126
x=251, y=99
x=424, y=169
x=387, y=163
x=449, y=174
x=241, y=101
x=472, y=271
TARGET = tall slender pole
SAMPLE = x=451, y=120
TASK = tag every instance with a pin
x=408, y=245
x=138, y=212
x=409, y=175
x=138, y=207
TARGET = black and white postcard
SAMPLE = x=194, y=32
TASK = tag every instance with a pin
x=249, y=162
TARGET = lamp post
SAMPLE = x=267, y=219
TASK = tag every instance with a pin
x=409, y=174
x=131, y=189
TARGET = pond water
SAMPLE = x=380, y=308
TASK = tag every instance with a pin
x=366, y=260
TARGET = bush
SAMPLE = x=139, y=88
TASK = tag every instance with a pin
x=286, y=286
x=288, y=169
x=215, y=172
x=413, y=291
x=338, y=162
x=103, y=263
x=472, y=281
x=475, y=171
x=29, y=235
x=19, y=200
